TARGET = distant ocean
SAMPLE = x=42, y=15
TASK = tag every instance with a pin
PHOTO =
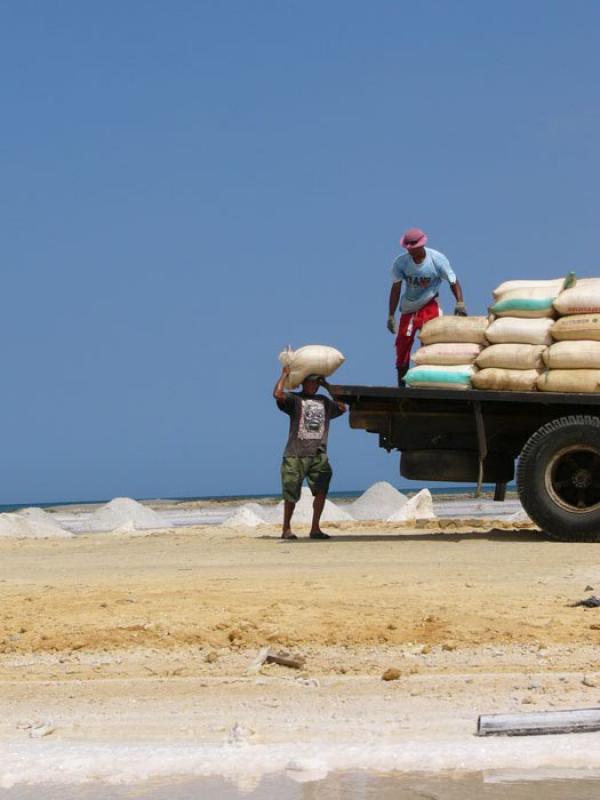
x=451, y=489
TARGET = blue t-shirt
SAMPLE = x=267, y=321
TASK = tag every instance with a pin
x=422, y=281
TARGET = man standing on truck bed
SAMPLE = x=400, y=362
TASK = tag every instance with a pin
x=423, y=270
x=305, y=455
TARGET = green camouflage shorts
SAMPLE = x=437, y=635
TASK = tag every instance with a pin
x=294, y=469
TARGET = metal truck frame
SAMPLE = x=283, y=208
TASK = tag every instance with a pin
x=472, y=436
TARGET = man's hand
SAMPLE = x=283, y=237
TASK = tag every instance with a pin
x=460, y=310
x=279, y=390
x=391, y=324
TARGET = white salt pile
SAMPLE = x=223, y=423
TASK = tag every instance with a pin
x=247, y=516
x=304, y=510
x=380, y=501
x=32, y=523
x=125, y=514
x=418, y=507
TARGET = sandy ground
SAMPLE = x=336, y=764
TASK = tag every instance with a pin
x=153, y=637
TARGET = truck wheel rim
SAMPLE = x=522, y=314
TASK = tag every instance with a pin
x=573, y=479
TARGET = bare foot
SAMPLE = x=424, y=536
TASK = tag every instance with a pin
x=288, y=535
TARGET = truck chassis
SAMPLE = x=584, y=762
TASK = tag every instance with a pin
x=475, y=436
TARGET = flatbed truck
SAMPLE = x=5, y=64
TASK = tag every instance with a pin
x=550, y=441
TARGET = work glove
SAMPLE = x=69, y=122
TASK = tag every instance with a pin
x=391, y=324
x=460, y=310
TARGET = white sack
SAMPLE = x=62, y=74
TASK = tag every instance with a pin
x=447, y=353
x=570, y=380
x=430, y=376
x=454, y=329
x=512, y=356
x=313, y=359
x=506, y=380
x=516, y=330
x=573, y=355
x=581, y=299
x=577, y=327
x=552, y=285
x=530, y=303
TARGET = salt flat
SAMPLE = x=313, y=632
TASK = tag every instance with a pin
x=132, y=641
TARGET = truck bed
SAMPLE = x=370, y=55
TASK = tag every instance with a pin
x=471, y=420
x=352, y=394
x=475, y=436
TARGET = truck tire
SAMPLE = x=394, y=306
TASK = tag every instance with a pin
x=558, y=478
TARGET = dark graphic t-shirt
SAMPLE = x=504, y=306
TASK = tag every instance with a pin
x=309, y=422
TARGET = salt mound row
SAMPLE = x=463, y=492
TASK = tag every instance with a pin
x=250, y=515
x=304, y=510
x=32, y=523
x=125, y=514
x=380, y=501
x=418, y=507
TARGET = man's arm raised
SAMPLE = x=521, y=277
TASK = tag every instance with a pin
x=279, y=390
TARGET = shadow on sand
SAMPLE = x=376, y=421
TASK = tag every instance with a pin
x=494, y=535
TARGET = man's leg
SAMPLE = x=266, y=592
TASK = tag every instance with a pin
x=404, y=343
x=319, y=477
x=318, y=505
x=292, y=475
x=288, y=512
x=401, y=374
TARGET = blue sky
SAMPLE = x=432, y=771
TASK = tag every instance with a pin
x=187, y=187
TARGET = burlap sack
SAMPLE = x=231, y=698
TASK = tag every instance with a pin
x=511, y=356
x=313, y=359
x=447, y=354
x=576, y=328
x=506, y=380
x=516, y=330
x=454, y=330
x=573, y=355
x=584, y=298
x=435, y=377
x=570, y=380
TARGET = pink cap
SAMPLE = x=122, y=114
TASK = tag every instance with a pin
x=413, y=238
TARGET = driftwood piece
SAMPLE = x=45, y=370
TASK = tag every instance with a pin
x=268, y=656
x=285, y=659
x=536, y=723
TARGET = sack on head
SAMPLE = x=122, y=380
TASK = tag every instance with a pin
x=313, y=359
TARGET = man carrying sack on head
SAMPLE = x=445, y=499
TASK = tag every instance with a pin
x=423, y=270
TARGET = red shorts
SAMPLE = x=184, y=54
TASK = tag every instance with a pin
x=409, y=325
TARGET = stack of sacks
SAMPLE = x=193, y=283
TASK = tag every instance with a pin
x=573, y=362
x=446, y=359
x=519, y=335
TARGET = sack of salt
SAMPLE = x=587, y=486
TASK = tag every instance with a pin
x=312, y=359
